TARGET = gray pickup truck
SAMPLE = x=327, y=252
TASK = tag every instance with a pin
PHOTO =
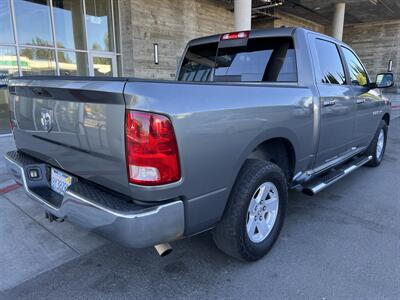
x=250, y=116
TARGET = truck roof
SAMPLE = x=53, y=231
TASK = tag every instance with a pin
x=256, y=33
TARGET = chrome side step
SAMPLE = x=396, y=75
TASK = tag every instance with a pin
x=321, y=183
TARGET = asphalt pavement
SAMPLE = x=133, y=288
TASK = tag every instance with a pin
x=343, y=243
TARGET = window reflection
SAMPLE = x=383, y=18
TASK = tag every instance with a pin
x=99, y=25
x=68, y=19
x=37, y=61
x=33, y=22
x=72, y=63
x=6, y=31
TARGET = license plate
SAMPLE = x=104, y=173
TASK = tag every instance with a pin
x=60, y=181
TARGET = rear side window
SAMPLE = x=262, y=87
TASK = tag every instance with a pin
x=262, y=59
x=330, y=64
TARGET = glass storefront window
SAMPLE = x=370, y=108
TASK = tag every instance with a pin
x=33, y=22
x=102, y=66
x=8, y=68
x=99, y=25
x=57, y=37
x=8, y=61
x=36, y=61
x=69, y=26
x=6, y=31
x=72, y=63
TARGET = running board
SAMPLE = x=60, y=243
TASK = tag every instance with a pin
x=321, y=183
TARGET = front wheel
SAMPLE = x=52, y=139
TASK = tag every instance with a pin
x=255, y=213
x=378, y=145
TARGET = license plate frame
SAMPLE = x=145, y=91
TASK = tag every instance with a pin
x=59, y=181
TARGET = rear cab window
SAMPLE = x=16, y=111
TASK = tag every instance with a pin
x=253, y=60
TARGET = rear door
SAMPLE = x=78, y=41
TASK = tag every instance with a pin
x=337, y=106
x=75, y=124
x=367, y=100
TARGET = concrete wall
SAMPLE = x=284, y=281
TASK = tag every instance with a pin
x=289, y=20
x=169, y=23
x=376, y=43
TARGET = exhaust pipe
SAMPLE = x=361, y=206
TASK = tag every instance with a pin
x=163, y=249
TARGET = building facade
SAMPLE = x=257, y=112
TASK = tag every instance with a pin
x=117, y=37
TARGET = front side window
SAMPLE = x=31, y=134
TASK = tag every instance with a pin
x=358, y=75
x=261, y=60
x=330, y=64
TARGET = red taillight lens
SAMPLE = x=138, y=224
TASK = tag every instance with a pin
x=235, y=35
x=151, y=149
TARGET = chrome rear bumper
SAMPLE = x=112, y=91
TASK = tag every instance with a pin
x=103, y=212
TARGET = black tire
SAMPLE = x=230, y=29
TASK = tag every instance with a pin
x=372, y=150
x=230, y=235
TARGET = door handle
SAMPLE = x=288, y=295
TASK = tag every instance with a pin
x=360, y=101
x=329, y=103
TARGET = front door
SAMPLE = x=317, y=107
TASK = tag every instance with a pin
x=337, y=105
x=103, y=65
x=367, y=100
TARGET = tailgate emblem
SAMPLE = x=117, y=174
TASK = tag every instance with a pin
x=46, y=119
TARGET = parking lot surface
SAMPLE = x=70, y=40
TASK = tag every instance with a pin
x=343, y=243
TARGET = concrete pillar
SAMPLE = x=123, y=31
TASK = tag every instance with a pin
x=242, y=15
x=338, y=21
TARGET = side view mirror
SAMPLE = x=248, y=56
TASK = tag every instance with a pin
x=384, y=80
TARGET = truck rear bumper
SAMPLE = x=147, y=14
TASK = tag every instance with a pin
x=104, y=212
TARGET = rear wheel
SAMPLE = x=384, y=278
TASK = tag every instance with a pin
x=378, y=145
x=255, y=213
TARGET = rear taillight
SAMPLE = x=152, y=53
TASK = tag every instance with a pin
x=235, y=35
x=151, y=149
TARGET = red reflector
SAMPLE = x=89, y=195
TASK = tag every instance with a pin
x=235, y=35
x=151, y=149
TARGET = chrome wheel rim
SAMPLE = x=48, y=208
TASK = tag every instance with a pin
x=380, y=144
x=262, y=212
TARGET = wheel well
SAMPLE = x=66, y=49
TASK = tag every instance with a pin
x=280, y=151
x=386, y=118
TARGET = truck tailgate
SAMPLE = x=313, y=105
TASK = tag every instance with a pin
x=74, y=124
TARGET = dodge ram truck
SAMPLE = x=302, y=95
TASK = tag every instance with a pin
x=250, y=115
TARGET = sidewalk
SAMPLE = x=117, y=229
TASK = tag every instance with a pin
x=30, y=245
